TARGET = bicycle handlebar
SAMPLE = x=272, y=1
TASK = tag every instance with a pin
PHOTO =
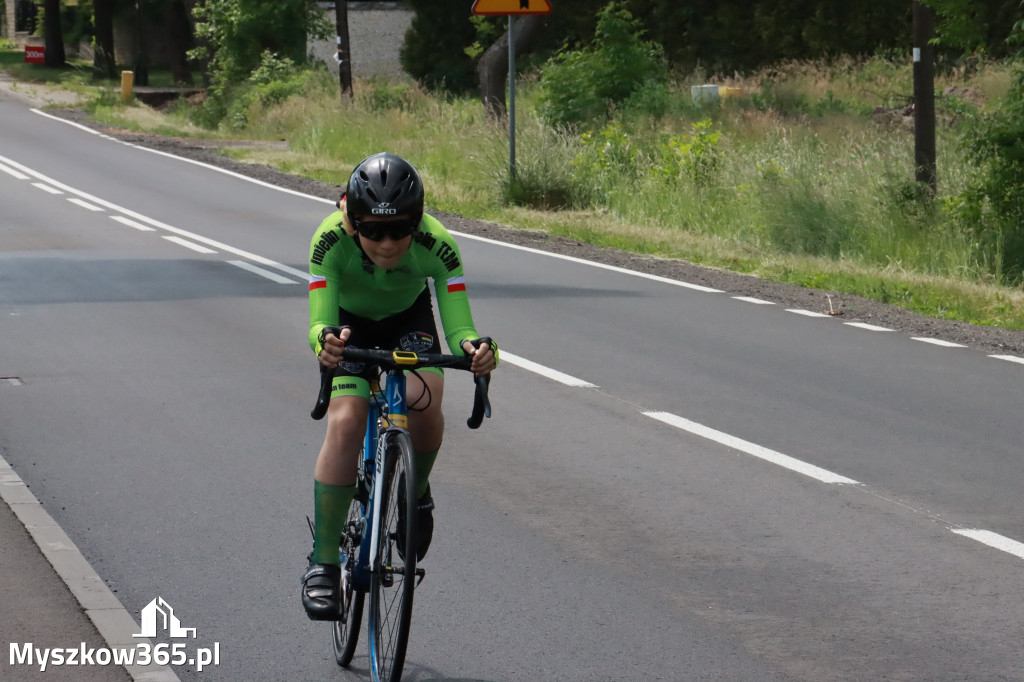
x=396, y=359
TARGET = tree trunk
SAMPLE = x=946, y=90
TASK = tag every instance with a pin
x=176, y=21
x=493, y=66
x=54, y=34
x=9, y=20
x=344, y=55
x=103, y=63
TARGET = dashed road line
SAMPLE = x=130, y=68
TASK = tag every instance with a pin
x=938, y=342
x=806, y=313
x=869, y=327
x=198, y=248
x=1008, y=358
x=47, y=188
x=552, y=374
x=987, y=537
x=84, y=204
x=131, y=223
x=777, y=458
x=272, y=276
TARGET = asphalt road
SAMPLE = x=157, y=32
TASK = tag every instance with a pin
x=688, y=486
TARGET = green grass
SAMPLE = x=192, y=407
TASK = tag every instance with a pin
x=797, y=181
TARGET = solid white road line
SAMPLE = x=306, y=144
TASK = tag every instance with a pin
x=752, y=449
x=273, y=276
x=751, y=299
x=104, y=609
x=573, y=259
x=553, y=374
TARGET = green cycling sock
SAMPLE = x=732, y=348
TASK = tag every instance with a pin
x=330, y=508
x=423, y=463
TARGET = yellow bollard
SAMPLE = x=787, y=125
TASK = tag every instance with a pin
x=127, y=81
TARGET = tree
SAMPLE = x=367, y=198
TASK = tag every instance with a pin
x=492, y=68
x=179, y=38
x=434, y=51
x=234, y=34
x=53, y=34
x=103, y=64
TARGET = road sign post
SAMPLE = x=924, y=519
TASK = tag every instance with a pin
x=511, y=8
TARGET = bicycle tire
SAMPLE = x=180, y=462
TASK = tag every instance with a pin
x=346, y=632
x=392, y=584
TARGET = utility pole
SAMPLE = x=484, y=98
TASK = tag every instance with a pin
x=924, y=96
x=343, y=57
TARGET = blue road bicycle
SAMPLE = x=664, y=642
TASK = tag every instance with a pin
x=378, y=554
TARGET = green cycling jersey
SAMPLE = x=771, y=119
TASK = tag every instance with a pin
x=342, y=276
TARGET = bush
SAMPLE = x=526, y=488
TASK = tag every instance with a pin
x=994, y=203
x=581, y=86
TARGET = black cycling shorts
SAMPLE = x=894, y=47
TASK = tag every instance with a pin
x=413, y=329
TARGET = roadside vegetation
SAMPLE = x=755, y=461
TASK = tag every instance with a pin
x=804, y=174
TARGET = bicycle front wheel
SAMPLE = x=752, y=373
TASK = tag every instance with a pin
x=346, y=631
x=394, y=578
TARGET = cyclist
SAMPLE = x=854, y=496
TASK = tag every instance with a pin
x=368, y=264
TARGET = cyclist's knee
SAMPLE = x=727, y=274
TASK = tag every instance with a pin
x=346, y=418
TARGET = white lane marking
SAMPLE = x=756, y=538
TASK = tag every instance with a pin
x=103, y=608
x=14, y=173
x=1008, y=358
x=938, y=342
x=273, y=276
x=189, y=245
x=235, y=175
x=992, y=540
x=70, y=123
x=869, y=327
x=573, y=259
x=46, y=188
x=461, y=235
x=84, y=204
x=553, y=374
x=131, y=223
x=806, y=313
x=301, y=274
x=752, y=449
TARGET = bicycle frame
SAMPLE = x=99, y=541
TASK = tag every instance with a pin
x=374, y=459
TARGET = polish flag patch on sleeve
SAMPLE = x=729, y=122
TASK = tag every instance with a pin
x=456, y=284
x=317, y=282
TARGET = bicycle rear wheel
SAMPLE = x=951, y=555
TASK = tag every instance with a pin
x=393, y=581
x=346, y=632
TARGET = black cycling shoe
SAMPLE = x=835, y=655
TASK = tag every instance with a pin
x=321, y=592
x=423, y=524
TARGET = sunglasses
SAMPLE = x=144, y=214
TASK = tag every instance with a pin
x=375, y=231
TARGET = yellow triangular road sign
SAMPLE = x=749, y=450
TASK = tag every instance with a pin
x=511, y=7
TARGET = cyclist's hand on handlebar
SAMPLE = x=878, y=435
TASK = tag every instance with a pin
x=483, y=357
x=333, y=348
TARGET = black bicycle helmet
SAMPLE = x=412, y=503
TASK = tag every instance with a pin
x=385, y=185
